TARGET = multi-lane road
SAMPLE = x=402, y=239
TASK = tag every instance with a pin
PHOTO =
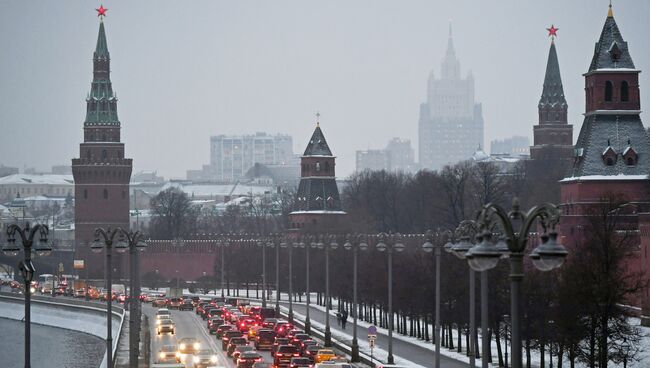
x=189, y=324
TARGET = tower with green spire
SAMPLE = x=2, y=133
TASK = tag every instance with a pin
x=553, y=135
x=101, y=173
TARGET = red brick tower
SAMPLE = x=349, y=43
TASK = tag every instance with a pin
x=318, y=205
x=101, y=173
x=612, y=154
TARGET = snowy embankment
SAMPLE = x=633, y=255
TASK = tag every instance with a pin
x=66, y=314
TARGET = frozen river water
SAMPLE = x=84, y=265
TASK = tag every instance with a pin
x=51, y=347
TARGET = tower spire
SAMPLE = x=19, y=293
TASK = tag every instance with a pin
x=610, y=13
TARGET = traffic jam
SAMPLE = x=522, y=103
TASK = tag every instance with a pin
x=227, y=332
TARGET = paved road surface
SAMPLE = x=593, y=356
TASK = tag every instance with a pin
x=411, y=352
x=189, y=324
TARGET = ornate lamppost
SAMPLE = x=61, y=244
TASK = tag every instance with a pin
x=434, y=243
x=390, y=243
x=26, y=236
x=105, y=239
x=548, y=255
x=355, y=243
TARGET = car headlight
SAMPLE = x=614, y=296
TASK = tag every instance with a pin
x=32, y=290
x=213, y=359
x=158, y=322
x=197, y=345
x=196, y=359
x=162, y=355
x=182, y=346
x=178, y=354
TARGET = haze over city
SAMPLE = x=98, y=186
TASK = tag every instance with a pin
x=188, y=70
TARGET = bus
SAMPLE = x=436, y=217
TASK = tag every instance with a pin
x=45, y=283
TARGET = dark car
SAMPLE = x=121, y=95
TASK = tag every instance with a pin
x=249, y=359
x=222, y=329
x=298, y=339
x=284, y=354
x=282, y=328
x=201, y=306
x=269, y=323
x=278, y=341
x=299, y=362
x=214, y=323
x=264, y=314
x=205, y=358
x=189, y=345
x=239, y=350
x=234, y=343
x=264, y=339
x=263, y=365
x=306, y=343
x=227, y=336
x=174, y=303
x=186, y=305
x=311, y=351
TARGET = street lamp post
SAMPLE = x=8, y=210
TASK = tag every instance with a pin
x=393, y=244
x=135, y=243
x=546, y=256
x=311, y=242
x=272, y=244
x=261, y=243
x=290, y=245
x=223, y=244
x=104, y=239
x=26, y=267
x=355, y=243
x=329, y=244
x=434, y=244
x=467, y=230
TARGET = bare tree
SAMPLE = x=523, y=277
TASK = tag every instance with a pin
x=173, y=214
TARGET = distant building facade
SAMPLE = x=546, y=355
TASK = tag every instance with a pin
x=23, y=186
x=373, y=159
x=515, y=145
x=232, y=156
x=451, y=122
x=397, y=156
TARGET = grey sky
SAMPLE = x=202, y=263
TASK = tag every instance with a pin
x=185, y=70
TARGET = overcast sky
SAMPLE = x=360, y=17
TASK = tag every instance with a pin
x=186, y=70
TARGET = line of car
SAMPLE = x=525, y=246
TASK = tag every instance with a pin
x=245, y=330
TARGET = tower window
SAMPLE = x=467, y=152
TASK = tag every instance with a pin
x=327, y=166
x=625, y=91
x=85, y=193
x=609, y=89
x=105, y=193
x=88, y=154
x=318, y=166
x=104, y=155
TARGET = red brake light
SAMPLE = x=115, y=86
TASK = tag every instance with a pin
x=278, y=354
x=296, y=354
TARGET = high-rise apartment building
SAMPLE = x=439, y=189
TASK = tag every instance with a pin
x=231, y=156
x=451, y=122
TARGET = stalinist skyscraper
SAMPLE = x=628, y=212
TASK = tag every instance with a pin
x=451, y=122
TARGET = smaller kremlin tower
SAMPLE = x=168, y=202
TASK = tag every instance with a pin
x=318, y=204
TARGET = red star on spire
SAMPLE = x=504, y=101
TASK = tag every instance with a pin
x=101, y=12
x=552, y=32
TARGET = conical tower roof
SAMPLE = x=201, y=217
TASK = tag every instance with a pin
x=553, y=92
x=317, y=144
x=101, y=50
x=611, y=50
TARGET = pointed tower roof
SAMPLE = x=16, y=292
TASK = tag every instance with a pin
x=317, y=144
x=553, y=91
x=611, y=50
x=101, y=50
x=451, y=52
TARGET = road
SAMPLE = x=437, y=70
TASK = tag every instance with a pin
x=189, y=324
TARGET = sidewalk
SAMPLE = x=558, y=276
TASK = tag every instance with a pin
x=401, y=349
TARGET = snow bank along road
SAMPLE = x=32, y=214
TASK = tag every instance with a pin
x=81, y=316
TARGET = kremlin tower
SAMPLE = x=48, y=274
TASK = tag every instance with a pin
x=101, y=173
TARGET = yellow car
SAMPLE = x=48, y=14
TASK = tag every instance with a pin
x=324, y=355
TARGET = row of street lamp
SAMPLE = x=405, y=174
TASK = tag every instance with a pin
x=481, y=257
